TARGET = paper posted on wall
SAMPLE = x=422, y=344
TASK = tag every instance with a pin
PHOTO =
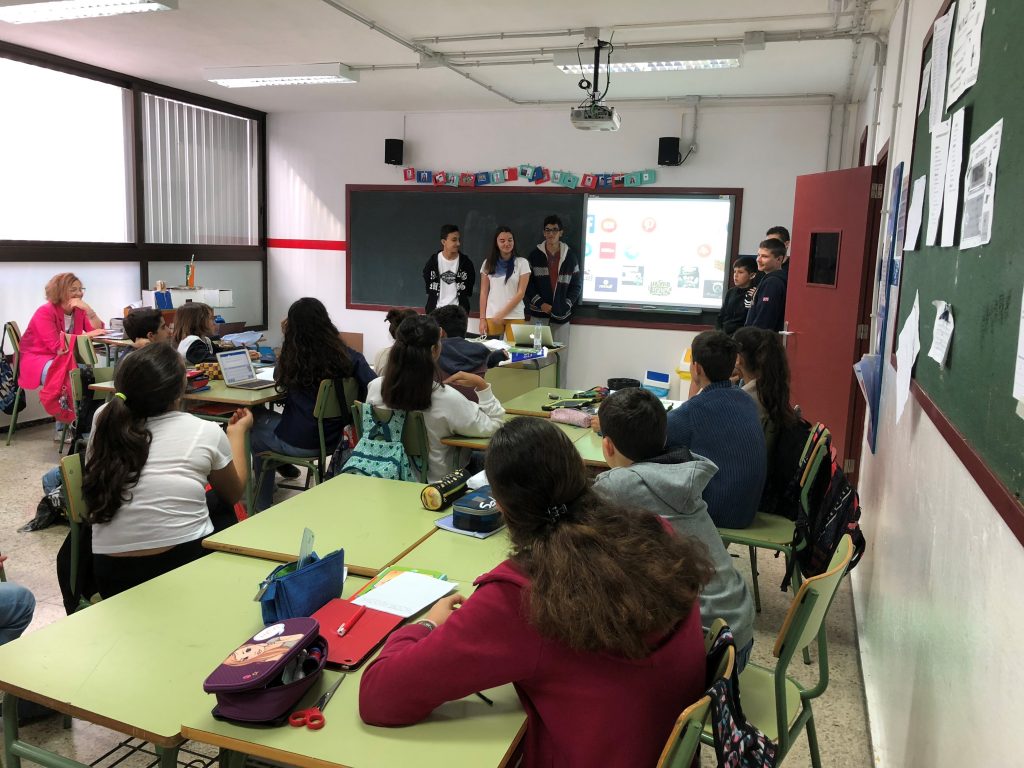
x=906, y=355
x=942, y=334
x=1018, y=378
x=915, y=214
x=926, y=83
x=966, y=57
x=940, y=56
x=937, y=179
x=954, y=164
x=980, y=188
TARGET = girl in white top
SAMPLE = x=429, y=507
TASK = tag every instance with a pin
x=146, y=470
x=410, y=384
x=504, y=277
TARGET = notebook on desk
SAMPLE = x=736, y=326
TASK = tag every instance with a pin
x=350, y=650
x=238, y=372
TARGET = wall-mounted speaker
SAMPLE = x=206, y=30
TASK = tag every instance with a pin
x=394, y=149
x=668, y=151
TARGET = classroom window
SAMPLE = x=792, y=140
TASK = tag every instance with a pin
x=64, y=163
x=200, y=171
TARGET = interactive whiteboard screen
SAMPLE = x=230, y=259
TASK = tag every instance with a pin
x=657, y=252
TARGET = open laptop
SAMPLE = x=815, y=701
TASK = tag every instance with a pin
x=238, y=372
x=522, y=333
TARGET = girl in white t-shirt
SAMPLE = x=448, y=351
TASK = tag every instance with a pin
x=146, y=471
x=504, y=277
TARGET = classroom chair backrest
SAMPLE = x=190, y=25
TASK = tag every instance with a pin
x=414, y=434
x=13, y=333
x=71, y=476
x=806, y=614
x=822, y=452
x=330, y=406
x=684, y=740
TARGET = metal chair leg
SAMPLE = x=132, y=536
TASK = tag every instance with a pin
x=753, y=577
x=18, y=398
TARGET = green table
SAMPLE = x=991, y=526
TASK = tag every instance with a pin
x=376, y=521
x=136, y=662
x=589, y=446
x=462, y=558
x=529, y=404
x=481, y=443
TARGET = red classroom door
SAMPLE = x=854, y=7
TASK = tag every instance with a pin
x=836, y=216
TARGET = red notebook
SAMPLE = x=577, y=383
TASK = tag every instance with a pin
x=355, y=646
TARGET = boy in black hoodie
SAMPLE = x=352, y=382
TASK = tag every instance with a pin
x=457, y=352
x=735, y=304
x=769, y=308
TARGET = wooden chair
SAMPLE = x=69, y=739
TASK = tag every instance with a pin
x=771, y=532
x=774, y=702
x=71, y=475
x=13, y=332
x=414, y=435
x=327, y=406
x=685, y=738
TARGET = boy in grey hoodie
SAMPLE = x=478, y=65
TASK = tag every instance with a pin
x=670, y=484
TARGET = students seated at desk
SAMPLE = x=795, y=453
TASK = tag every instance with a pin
x=410, y=384
x=311, y=352
x=146, y=470
x=602, y=678
x=719, y=421
x=669, y=483
x=458, y=353
x=193, y=325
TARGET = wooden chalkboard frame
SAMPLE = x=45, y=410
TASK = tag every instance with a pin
x=1008, y=505
x=616, y=318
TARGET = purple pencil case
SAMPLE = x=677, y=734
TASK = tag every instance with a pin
x=263, y=679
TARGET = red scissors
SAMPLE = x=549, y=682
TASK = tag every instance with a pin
x=313, y=718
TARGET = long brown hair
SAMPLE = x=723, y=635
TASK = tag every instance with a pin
x=765, y=357
x=148, y=383
x=411, y=374
x=311, y=350
x=190, y=320
x=491, y=264
x=604, y=578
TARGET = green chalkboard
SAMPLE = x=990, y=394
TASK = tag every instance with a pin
x=984, y=284
x=392, y=232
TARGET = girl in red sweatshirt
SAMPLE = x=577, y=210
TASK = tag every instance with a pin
x=593, y=618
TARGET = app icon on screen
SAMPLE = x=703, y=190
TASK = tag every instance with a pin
x=607, y=251
x=606, y=284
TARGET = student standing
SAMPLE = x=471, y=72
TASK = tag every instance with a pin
x=780, y=233
x=503, y=280
x=594, y=618
x=449, y=275
x=768, y=309
x=737, y=300
x=556, y=285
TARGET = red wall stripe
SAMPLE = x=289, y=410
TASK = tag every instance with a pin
x=309, y=245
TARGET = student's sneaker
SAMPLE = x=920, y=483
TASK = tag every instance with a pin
x=289, y=471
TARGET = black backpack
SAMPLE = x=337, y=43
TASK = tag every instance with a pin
x=832, y=510
x=781, y=494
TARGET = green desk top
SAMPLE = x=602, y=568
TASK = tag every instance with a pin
x=589, y=446
x=375, y=521
x=136, y=662
x=219, y=392
x=529, y=404
x=462, y=558
x=480, y=443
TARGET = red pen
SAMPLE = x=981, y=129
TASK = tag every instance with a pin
x=346, y=626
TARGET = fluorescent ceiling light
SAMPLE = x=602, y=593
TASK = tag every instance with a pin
x=283, y=74
x=658, y=58
x=29, y=11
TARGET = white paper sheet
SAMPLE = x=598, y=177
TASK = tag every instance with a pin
x=954, y=164
x=940, y=57
x=1018, y=378
x=406, y=594
x=963, y=64
x=942, y=333
x=906, y=354
x=915, y=213
x=980, y=188
x=937, y=179
x=926, y=83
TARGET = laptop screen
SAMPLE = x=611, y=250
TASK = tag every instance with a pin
x=236, y=366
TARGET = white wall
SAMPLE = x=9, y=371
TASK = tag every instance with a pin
x=761, y=149
x=937, y=593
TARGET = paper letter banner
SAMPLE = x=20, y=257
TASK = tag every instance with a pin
x=409, y=174
x=618, y=180
x=632, y=179
x=424, y=177
x=439, y=178
x=588, y=181
x=570, y=180
x=451, y=179
x=511, y=174
x=604, y=181
x=541, y=175
x=466, y=180
x=556, y=177
x=649, y=176
x=483, y=178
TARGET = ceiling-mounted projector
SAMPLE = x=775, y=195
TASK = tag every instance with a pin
x=594, y=117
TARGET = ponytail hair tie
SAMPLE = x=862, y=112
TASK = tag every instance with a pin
x=121, y=395
x=556, y=512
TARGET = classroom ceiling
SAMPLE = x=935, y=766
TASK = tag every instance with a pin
x=505, y=47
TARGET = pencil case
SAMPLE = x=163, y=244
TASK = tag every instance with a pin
x=263, y=679
x=439, y=495
x=571, y=416
x=290, y=591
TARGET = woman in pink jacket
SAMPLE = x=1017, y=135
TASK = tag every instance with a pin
x=594, y=618
x=63, y=312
